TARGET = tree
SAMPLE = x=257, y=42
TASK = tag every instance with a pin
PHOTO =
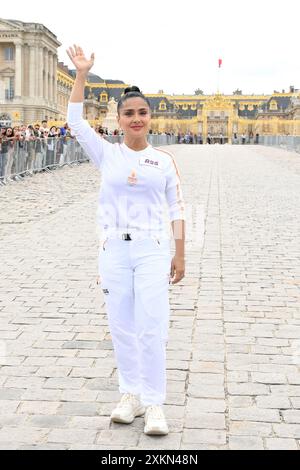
x=199, y=92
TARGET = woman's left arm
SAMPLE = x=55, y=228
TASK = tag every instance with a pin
x=176, y=205
x=178, y=262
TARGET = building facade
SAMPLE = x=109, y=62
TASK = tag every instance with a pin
x=35, y=86
x=28, y=71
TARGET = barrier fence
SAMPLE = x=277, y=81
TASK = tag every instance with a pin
x=21, y=158
x=288, y=142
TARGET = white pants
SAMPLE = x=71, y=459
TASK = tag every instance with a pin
x=135, y=278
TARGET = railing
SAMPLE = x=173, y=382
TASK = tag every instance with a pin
x=288, y=142
x=153, y=139
x=21, y=158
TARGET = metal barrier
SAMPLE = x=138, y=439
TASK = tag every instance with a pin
x=153, y=139
x=287, y=142
x=22, y=158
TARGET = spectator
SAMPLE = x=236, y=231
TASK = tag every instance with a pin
x=23, y=131
x=199, y=139
x=7, y=151
x=36, y=131
x=9, y=134
x=53, y=132
x=29, y=133
x=44, y=126
x=64, y=129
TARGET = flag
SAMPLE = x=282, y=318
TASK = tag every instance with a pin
x=220, y=63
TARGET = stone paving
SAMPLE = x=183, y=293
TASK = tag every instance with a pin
x=234, y=349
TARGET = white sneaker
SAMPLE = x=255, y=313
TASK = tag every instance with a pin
x=155, y=422
x=129, y=408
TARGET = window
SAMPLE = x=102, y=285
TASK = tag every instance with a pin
x=5, y=120
x=162, y=106
x=273, y=105
x=104, y=97
x=9, y=88
x=9, y=53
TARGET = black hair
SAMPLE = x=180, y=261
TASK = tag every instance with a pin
x=132, y=92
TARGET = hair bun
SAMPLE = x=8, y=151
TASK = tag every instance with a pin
x=131, y=89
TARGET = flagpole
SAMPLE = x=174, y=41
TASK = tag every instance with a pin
x=219, y=71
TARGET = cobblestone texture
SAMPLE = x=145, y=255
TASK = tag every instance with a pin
x=234, y=349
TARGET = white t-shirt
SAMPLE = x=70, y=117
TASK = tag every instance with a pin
x=130, y=205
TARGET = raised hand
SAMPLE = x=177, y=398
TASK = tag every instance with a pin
x=82, y=64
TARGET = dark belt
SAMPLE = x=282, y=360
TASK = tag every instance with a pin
x=126, y=237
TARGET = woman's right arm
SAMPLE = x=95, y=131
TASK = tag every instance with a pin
x=90, y=141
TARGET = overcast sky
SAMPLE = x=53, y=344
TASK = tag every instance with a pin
x=162, y=44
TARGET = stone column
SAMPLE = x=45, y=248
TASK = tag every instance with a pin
x=50, y=77
x=18, y=70
x=32, y=72
x=41, y=72
x=46, y=83
x=55, y=79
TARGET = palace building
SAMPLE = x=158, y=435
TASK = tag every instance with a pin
x=34, y=85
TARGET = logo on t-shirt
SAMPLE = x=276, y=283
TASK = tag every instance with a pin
x=148, y=162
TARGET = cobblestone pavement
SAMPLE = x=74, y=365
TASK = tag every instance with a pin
x=234, y=349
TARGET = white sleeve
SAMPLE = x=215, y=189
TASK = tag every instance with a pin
x=174, y=194
x=90, y=141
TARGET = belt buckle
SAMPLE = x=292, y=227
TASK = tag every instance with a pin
x=126, y=237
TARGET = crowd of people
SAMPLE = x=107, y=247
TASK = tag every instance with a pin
x=37, y=131
x=39, y=146
x=33, y=132
x=190, y=138
x=33, y=147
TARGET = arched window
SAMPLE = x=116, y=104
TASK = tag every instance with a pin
x=162, y=106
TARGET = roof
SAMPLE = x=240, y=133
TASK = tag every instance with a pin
x=114, y=82
x=283, y=102
x=92, y=78
x=111, y=92
x=247, y=113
